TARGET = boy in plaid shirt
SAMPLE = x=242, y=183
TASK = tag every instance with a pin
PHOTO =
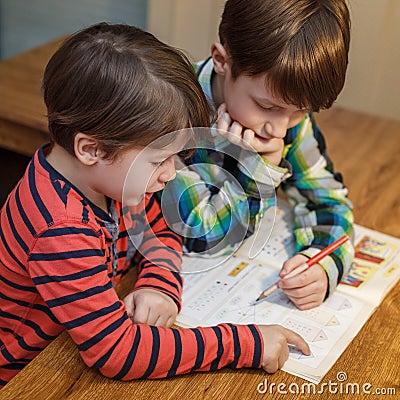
x=275, y=64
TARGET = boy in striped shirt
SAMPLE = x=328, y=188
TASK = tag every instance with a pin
x=83, y=213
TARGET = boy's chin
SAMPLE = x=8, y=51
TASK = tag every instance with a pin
x=134, y=201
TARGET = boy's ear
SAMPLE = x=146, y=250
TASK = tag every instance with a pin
x=87, y=149
x=220, y=58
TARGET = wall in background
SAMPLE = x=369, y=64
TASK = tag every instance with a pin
x=191, y=25
x=26, y=24
x=373, y=80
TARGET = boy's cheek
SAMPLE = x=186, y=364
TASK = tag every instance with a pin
x=297, y=120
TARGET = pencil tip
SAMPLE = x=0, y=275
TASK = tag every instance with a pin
x=258, y=299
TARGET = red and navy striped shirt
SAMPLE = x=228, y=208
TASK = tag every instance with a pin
x=60, y=259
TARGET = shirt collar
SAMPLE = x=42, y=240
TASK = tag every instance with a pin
x=205, y=75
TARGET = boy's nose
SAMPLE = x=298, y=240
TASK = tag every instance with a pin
x=172, y=175
x=169, y=171
x=277, y=128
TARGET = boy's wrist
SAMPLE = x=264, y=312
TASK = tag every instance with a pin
x=175, y=297
x=274, y=159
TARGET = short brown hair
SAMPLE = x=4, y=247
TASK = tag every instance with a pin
x=302, y=45
x=122, y=86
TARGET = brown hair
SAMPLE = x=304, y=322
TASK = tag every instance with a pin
x=302, y=45
x=122, y=86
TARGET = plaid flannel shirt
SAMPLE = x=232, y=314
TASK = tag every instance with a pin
x=321, y=207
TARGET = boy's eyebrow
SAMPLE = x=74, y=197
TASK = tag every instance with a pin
x=164, y=154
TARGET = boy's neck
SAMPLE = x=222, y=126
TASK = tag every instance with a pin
x=217, y=89
x=76, y=173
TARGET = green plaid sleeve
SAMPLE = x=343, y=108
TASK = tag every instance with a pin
x=215, y=204
x=323, y=213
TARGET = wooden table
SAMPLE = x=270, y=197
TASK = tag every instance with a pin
x=23, y=124
x=366, y=151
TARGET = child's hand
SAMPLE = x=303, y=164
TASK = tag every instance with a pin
x=270, y=149
x=306, y=290
x=276, y=349
x=148, y=306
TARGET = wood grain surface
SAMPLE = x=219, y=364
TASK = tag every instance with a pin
x=23, y=125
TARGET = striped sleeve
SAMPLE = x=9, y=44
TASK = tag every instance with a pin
x=76, y=288
x=160, y=255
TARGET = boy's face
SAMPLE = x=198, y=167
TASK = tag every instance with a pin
x=248, y=100
x=250, y=103
x=136, y=173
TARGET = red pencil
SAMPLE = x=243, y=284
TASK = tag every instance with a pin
x=313, y=260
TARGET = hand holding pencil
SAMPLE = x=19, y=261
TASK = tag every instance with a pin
x=303, y=267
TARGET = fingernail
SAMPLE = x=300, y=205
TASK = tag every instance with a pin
x=225, y=116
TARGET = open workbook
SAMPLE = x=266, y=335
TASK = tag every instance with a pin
x=226, y=292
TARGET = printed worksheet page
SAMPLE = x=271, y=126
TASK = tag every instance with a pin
x=227, y=294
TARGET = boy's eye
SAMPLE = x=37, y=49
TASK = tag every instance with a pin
x=157, y=164
x=265, y=108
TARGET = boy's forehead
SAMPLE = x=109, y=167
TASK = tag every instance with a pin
x=172, y=143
